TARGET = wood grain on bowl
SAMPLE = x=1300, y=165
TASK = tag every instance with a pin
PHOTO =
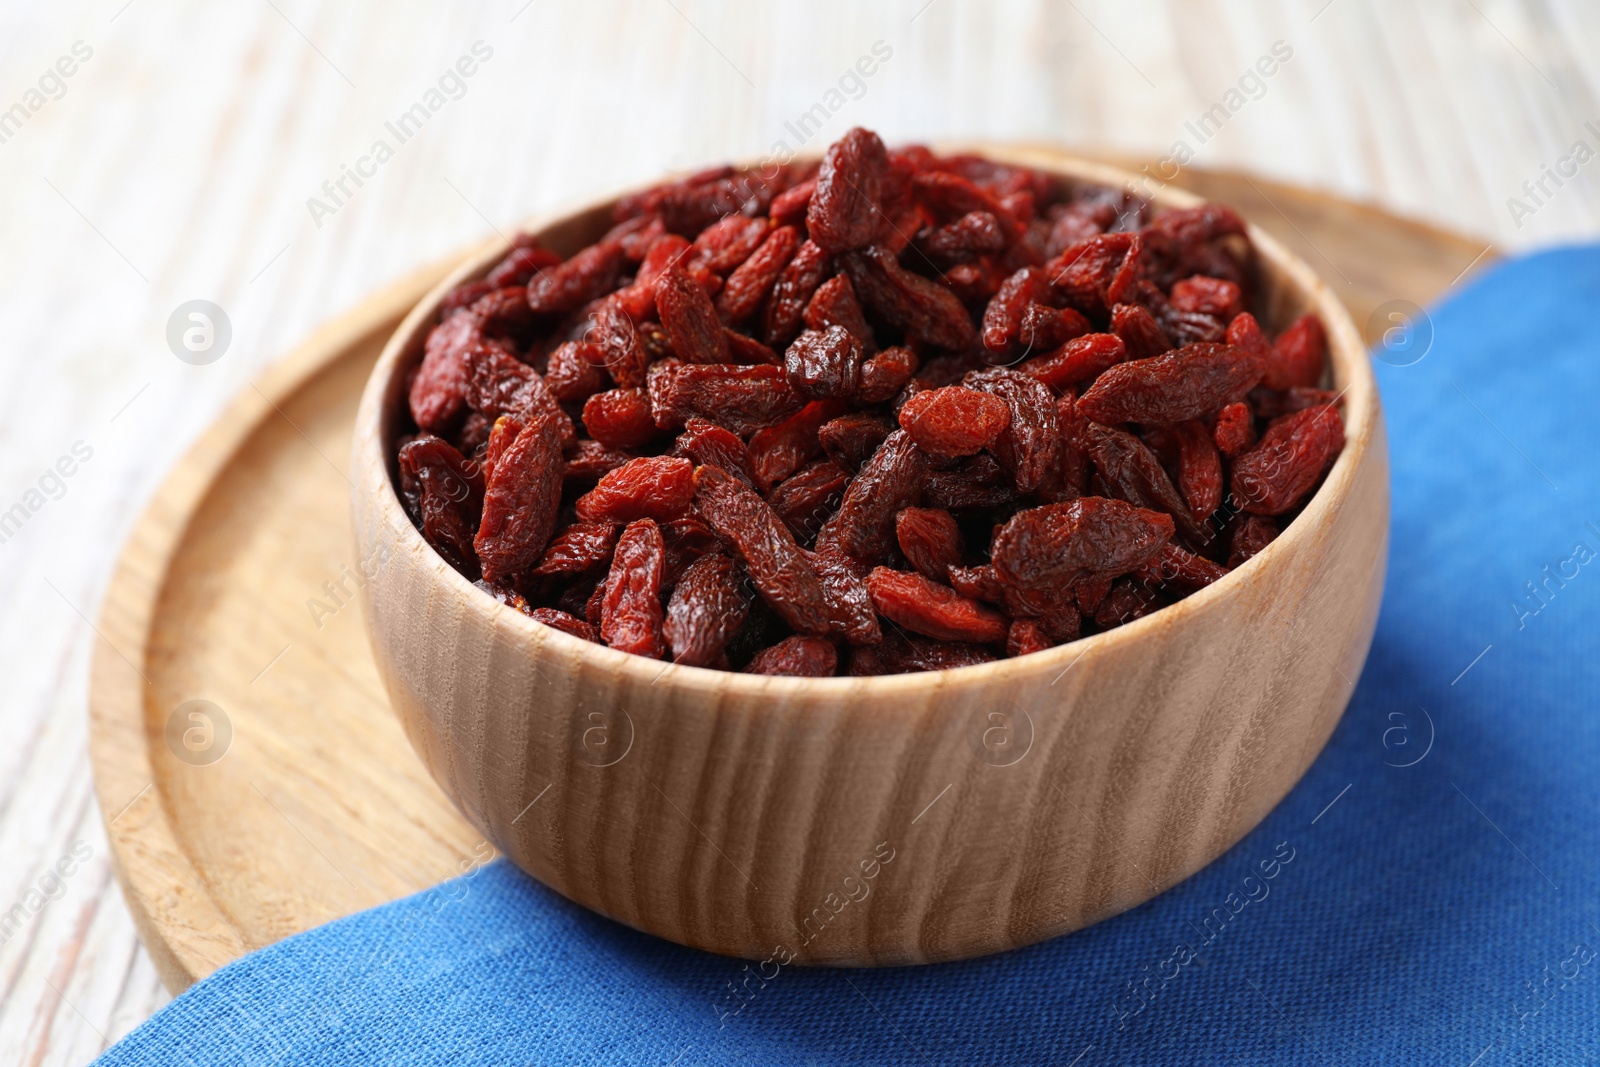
x=995, y=805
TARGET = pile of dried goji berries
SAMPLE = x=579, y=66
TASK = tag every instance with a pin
x=893, y=412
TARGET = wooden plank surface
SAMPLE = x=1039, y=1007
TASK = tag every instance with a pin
x=177, y=159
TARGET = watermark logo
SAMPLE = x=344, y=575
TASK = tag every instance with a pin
x=199, y=332
x=604, y=738
x=1404, y=740
x=1404, y=331
x=1001, y=737
x=199, y=732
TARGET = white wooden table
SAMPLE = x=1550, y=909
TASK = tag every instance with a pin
x=179, y=160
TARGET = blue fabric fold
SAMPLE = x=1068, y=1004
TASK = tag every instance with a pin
x=1433, y=896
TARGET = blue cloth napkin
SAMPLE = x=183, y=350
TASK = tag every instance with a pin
x=1434, y=889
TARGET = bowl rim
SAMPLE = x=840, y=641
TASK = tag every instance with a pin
x=1352, y=374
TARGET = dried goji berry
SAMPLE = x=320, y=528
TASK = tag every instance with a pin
x=1199, y=468
x=778, y=566
x=1133, y=473
x=851, y=439
x=1029, y=446
x=619, y=418
x=630, y=609
x=521, y=495
x=743, y=399
x=1297, y=355
x=850, y=611
x=863, y=527
x=930, y=540
x=1045, y=550
x=778, y=451
x=793, y=291
x=954, y=421
x=580, y=547
x=568, y=286
x=445, y=494
x=1285, y=465
x=571, y=373
x=1081, y=359
x=707, y=608
x=1250, y=535
x=1139, y=331
x=885, y=374
x=650, y=487
x=834, y=304
x=566, y=623
x=1235, y=430
x=805, y=499
x=821, y=364
x=932, y=609
x=689, y=318
x=924, y=310
x=706, y=442
x=1186, y=383
x=799, y=656
x=1216, y=297
x=1025, y=636
x=843, y=213
x=753, y=279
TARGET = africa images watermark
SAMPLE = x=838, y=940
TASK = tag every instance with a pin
x=47, y=888
x=852, y=85
x=52, y=85
x=52, y=485
x=452, y=85
x=1250, y=86
x=1541, y=190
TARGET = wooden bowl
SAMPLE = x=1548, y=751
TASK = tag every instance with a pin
x=892, y=820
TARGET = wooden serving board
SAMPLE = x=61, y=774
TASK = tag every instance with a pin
x=291, y=796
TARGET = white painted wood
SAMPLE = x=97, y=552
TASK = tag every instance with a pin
x=178, y=163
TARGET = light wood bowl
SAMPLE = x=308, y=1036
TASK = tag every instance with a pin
x=893, y=820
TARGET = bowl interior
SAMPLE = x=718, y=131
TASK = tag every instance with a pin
x=1286, y=287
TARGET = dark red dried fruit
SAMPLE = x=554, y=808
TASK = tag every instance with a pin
x=933, y=610
x=1127, y=601
x=1002, y=319
x=568, y=286
x=954, y=421
x=706, y=442
x=707, y=608
x=1045, y=550
x=884, y=374
x=1026, y=636
x=650, y=487
x=438, y=394
x=1187, y=383
x=924, y=310
x=930, y=540
x=1030, y=447
x=798, y=656
x=806, y=499
x=1082, y=359
x=689, y=318
x=844, y=213
x=1044, y=327
x=778, y=451
x=566, y=623
x=444, y=494
x=521, y=264
x=793, y=291
x=835, y=304
x=1132, y=472
x=1140, y=332
x=850, y=440
x=1216, y=297
x=979, y=583
x=572, y=375
x=1252, y=534
x=1179, y=569
x=1199, y=468
x=1235, y=430
x=850, y=610
x=753, y=279
x=863, y=527
x=727, y=243
x=1285, y=466
x=580, y=547
x=1097, y=274
x=521, y=495
x=630, y=609
x=979, y=483
x=743, y=399
x=1297, y=355
x=616, y=341
x=588, y=460
x=499, y=384
x=619, y=418
x=975, y=233
x=823, y=364
x=778, y=567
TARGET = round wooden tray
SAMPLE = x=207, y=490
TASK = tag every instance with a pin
x=251, y=776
